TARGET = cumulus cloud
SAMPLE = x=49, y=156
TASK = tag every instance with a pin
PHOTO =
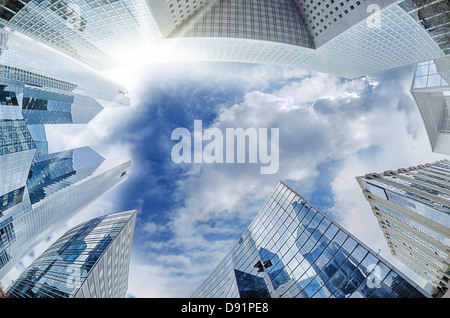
x=367, y=124
x=307, y=137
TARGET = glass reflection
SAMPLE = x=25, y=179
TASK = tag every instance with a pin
x=305, y=255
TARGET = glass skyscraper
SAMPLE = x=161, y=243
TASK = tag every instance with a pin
x=56, y=86
x=291, y=249
x=39, y=85
x=98, y=33
x=55, y=187
x=348, y=38
x=51, y=52
x=412, y=206
x=434, y=16
x=431, y=92
x=90, y=260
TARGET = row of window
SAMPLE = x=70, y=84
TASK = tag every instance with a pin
x=16, y=74
x=306, y=256
x=265, y=22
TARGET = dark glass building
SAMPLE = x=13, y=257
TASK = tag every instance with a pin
x=292, y=250
x=90, y=260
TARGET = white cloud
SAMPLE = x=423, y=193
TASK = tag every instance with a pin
x=95, y=134
x=320, y=118
x=151, y=228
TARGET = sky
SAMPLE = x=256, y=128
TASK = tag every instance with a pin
x=190, y=215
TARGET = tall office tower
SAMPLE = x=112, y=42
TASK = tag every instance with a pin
x=434, y=16
x=40, y=85
x=431, y=92
x=291, y=249
x=2, y=293
x=99, y=33
x=51, y=87
x=412, y=207
x=45, y=192
x=90, y=260
x=40, y=139
x=347, y=38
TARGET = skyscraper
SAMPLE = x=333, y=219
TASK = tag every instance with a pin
x=431, y=92
x=434, y=16
x=17, y=150
x=40, y=191
x=53, y=189
x=412, y=206
x=96, y=32
x=2, y=293
x=39, y=85
x=291, y=249
x=90, y=260
x=345, y=38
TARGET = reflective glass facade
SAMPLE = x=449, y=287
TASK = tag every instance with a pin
x=431, y=92
x=47, y=105
x=14, y=137
x=40, y=139
x=51, y=79
x=90, y=260
x=38, y=86
x=292, y=249
x=93, y=31
x=55, y=187
x=427, y=76
x=267, y=20
x=434, y=16
x=52, y=172
x=350, y=40
x=412, y=206
x=17, y=149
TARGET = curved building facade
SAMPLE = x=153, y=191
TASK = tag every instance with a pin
x=86, y=30
x=348, y=38
x=90, y=260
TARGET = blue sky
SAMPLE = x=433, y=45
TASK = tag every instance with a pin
x=190, y=215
